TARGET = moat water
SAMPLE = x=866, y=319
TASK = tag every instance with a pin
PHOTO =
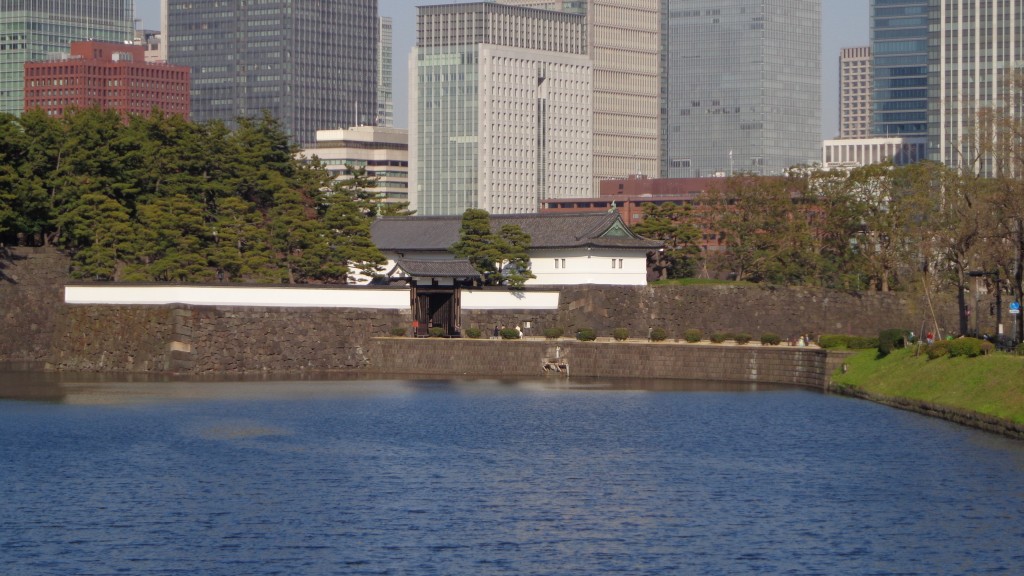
x=545, y=477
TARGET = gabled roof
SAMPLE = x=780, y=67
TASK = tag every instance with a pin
x=435, y=268
x=437, y=233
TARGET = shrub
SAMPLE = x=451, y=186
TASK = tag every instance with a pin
x=473, y=332
x=693, y=335
x=719, y=337
x=969, y=347
x=658, y=335
x=620, y=334
x=437, y=332
x=1020, y=349
x=509, y=334
x=937, y=349
x=891, y=339
x=741, y=338
x=398, y=331
x=553, y=333
x=861, y=342
x=586, y=335
x=987, y=348
x=833, y=341
x=770, y=339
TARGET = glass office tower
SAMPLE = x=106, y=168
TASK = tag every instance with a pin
x=899, y=42
x=32, y=30
x=742, y=82
x=310, y=64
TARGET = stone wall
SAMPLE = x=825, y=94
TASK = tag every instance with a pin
x=640, y=359
x=36, y=326
x=31, y=289
x=754, y=310
x=197, y=340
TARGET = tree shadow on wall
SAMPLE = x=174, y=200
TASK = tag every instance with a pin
x=6, y=259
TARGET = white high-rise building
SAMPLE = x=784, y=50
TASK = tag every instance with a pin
x=382, y=151
x=500, y=109
x=624, y=43
x=385, y=76
x=976, y=47
x=855, y=88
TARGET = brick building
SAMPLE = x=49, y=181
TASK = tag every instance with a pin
x=628, y=195
x=110, y=76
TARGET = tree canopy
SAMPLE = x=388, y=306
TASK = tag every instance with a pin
x=159, y=198
x=502, y=257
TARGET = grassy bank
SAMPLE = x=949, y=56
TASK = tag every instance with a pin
x=990, y=385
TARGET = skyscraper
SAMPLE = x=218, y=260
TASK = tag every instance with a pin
x=855, y=92
x=385, y=74
x=310, y=64
x=624, y=42
x=500, y=109
x=899, y=41
x=976, y=48
x=742, y=86
x=33, y=30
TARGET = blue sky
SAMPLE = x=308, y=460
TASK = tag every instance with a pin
x=844, y=24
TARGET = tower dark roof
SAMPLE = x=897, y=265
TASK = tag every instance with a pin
x=437, y=233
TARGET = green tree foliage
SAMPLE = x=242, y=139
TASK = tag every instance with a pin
x=674, y=225
x=514, y=257
x=349, y=248
x=764, y=224
x=159, y=198
x=500, y=258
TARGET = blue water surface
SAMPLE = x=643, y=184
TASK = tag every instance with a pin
x=497, y=478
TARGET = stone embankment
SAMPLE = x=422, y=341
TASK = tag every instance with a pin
x=531, y=358
x=36, y=326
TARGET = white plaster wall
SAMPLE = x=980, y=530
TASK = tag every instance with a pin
x=239, y=296
x=508, y=300
x=583, y=266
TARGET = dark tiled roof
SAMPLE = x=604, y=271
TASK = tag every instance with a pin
x=437, y=268
x=436, y=233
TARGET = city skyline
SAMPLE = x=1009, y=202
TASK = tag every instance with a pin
x=844, y=25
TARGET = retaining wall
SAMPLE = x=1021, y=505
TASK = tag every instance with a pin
x=640, y=359
x=35, y=325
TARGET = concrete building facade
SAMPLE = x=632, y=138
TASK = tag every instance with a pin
x=33, y=30
x=899, y=42
x=382, y=151
x=852, y=153
x=109, y=76
x=855, y=90
x=500, y=109
x=976, y=47
x=385, y=73
x=312, y=65
x=742, y=86
x=624, y=43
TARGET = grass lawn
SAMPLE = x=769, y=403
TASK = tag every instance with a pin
x=992, y=385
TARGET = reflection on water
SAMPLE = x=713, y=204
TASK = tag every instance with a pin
x=313, y=476
x=100, y=388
